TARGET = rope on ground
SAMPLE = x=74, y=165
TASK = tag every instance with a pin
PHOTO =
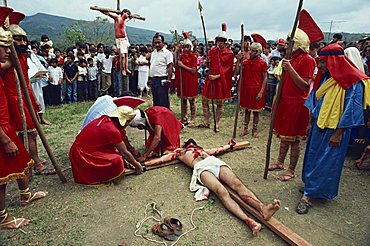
x=155, y=210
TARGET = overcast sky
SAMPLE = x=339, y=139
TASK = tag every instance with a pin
x=272, y=19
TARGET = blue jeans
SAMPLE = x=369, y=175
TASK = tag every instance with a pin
x=160, y=92
x=117, y=83
x=71, y=91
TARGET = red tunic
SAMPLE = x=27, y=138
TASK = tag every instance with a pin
x=220, y=62
x=292, y=116
x=11, y=167
x=171, y=128
x=189, y=80
x=93, y=155
x=12, y=97
x=252, y=82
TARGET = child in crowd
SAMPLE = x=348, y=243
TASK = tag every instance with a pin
x=92, y=79
x=271, y=81
x=81, y=81
x=59, y=57
x=70, y=75
x=55, y=80
x=143, y=64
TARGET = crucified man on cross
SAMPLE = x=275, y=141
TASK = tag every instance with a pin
x=120, y=34
x=212, y=173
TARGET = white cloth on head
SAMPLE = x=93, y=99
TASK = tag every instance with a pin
x=354, y=55
x=210, y=164
x=102, y=106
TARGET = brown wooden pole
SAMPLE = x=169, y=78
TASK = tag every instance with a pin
x=21, y=109
x=273, y=224
x=133, y=16
x=278, y=94
x=23, y=84
x=239, y=83
x=180, y=79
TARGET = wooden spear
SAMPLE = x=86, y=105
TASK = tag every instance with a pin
x=278, y=94
x=20, y=100
x=180, y=79
x=239, y=83
x=200, y=7
x=23, y=84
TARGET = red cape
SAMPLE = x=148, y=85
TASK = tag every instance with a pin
x=220, y=62
x=189, y=80
x=252, y=82
x=171, y=127
x=93, y=155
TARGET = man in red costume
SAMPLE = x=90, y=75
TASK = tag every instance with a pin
x=8, y=70
x=187, y=66
x=121, y=36
x=221, y=61
x=14, y=159
x=292, y=116
x=253, y=87
x=164, y=130
x=100, y=149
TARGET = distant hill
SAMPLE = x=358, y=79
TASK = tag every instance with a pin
x=53, y=26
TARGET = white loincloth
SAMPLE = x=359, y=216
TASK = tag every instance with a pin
x=122, y=45
x=211, y=164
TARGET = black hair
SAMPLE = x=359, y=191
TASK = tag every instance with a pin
x=157, y=35
x=314, y=45
x=89, y=59
x=53, y=60
x=143, y=49
x=79, y=53
x=338, y=36
x=72, y=57
x=247, y=38
x=188, y=142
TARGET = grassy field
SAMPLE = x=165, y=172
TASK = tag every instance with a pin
x=107, y=215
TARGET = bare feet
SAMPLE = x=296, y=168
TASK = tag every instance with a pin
x=45, y=122
x=254, y=226
x=270, y=209
x=244, y=132
x=10, y=222
x=288, y=175
x=254, y=133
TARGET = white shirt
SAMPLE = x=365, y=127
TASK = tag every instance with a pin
x=143, y=68
x=159, y=62
x=275, y=53
x=92, y=72
x=56, y=74
x=107, y=64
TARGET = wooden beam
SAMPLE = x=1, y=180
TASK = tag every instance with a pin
x=237, y=146
x=134, y=16
x=273, y=224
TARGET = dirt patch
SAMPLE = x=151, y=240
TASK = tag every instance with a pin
x=107, y=215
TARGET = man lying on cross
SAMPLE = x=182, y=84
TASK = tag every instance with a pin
x=212, y=173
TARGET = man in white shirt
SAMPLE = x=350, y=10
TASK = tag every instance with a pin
x=161, y=65
x=106, y=72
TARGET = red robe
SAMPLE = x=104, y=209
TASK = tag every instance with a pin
x=252, y=82
x=189, y=80
x=11, y=167
x=171, y=128
x=93, y=155
x=220, y=62
x=292, y=116
x=12, y=97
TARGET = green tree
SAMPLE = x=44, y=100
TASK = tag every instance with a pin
x=74, y=34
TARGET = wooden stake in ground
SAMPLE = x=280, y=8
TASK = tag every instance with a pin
x=239, y=83
x=180, y=79
x=23, y=85
x=278, y=94
x=200, y=7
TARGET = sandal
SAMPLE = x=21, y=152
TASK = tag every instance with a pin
x=164, y=230
x=18, y=222
x=286, y=177
x=276, y=166
x=203, y=125
x=174, y=224
x=31, y=197
x=41, y=169
x=303, y=207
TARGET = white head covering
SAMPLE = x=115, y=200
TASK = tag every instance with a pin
x=353, y=54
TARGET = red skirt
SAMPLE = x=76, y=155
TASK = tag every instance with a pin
x=15, y=118
x=248, y=98
x=14, y=167
x=291, y=120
